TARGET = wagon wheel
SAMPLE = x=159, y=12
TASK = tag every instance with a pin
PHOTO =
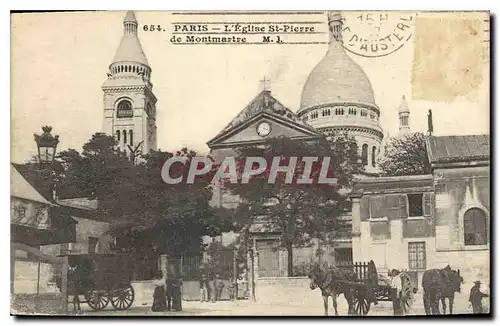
x=407, y=293
x=361, y=304
x=123, y=298
x=97, y=300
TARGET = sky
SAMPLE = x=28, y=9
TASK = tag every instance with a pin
x=60, y=60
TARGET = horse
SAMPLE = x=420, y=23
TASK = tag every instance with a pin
x=439, y=284
x=327, y=279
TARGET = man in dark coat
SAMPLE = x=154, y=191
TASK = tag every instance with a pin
x=372, y=280
x=169, y=290
x=203, y=288
x=177, y=293
x=475, y=298
x=218, y=286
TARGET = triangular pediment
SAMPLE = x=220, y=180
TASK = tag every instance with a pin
x=264, y=107
x=249, y=135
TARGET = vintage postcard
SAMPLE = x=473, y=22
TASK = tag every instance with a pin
x=244, y=163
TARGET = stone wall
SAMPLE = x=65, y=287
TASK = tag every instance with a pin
x=286, y=290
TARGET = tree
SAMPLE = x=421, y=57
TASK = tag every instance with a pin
x=406, y=155
x=299, y=213
x=140, y=207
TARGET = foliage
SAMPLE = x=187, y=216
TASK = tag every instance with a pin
x=220, y=260
x=406, y=155
x=148, y=214
x=297, y=212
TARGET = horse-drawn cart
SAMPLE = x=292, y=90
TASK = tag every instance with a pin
x=101, y=279
x=383, y=292
x=361, y=285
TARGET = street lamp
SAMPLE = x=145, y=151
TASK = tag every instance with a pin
x=47, y=145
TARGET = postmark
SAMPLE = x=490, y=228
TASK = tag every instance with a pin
x=376, y=33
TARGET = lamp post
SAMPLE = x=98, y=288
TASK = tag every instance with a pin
x=46, y=144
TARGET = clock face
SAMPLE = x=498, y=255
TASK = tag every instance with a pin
x=264, y=129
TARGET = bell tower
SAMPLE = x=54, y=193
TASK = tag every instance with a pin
x=404, y=117
x=129, y=101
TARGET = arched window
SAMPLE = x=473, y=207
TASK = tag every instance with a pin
x=374, y=154
x=118, y=135
x=124, y=137
x=475, y=227
x=131, y=134
x=124, y=109
x=353, y=153
x=364, y=154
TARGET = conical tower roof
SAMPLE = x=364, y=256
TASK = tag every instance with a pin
x=403, y=106
x=130, y=48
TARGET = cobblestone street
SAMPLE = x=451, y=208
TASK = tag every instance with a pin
x=249, y=308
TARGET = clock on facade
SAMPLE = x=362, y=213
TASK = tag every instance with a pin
x=263, y=129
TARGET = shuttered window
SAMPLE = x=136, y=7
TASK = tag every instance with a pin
x=378, y=206
x=364, y=204
x=393, y=207
x=427, y=209
x=403, y=206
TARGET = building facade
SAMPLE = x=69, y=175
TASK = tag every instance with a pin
x=129, y=100
x=461, y=171
x=429, y=221
x=91, y=232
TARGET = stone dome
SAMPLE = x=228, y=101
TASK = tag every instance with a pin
x=336, y=79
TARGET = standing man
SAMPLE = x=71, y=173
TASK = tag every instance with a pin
x=204, y=287
x=396, y=288
x=372, y=282
x=218, y=286
x=177, y=293
x=169, y=289
x=476, y=298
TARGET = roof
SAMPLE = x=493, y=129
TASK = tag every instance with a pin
x=265, y=102
x=444, y=149
x=337, y=78
x=80, y=203
x=21, y=188
x=382, y=185
x=130, y=17
x=130, y=48
x=403, y=106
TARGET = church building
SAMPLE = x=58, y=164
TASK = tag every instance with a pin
x=337, y=96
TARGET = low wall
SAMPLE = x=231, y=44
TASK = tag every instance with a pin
x=190, y=291
x=143, y=291
x=287, y=290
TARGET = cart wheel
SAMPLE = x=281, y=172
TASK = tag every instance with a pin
x=123, y=298
x=97, y=300
x=361, y=306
